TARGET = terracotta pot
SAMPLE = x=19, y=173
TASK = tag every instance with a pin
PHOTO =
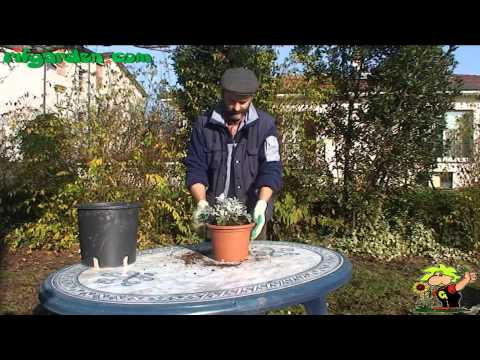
x=230, y=243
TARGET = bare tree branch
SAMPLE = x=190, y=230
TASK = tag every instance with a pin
x=163, y=48
x=36, y=49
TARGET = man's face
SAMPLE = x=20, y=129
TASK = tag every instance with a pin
x=236, y=106
x=439, y=279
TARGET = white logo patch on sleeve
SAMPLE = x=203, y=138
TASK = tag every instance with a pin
x=272, y=150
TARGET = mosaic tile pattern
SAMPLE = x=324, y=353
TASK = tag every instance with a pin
x=172, y=275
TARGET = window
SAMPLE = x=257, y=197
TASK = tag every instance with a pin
x=61, y=69
x=458, y=135
x=99, y=75
x=446, y=180
x=82, y=77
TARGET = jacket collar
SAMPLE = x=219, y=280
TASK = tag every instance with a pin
x=217, y=118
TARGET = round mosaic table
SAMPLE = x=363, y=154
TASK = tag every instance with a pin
x=186, y=280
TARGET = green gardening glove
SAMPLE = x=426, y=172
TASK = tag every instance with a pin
x=199, y=226
x=259, y=218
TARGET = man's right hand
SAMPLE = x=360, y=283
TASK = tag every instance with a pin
x=470, y=277
x=198, y=226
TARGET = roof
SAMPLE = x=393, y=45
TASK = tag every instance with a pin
x=292, y=82
x=468, y=82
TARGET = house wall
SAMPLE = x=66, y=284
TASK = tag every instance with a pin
x=22, y=87
x=470, y=100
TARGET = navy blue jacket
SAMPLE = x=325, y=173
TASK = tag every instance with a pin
x=239, y=166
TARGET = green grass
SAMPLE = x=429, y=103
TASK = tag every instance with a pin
x=22, y=296
x=375, y=288
x=378, y=288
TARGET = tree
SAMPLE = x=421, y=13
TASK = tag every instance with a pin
x=36, y=49
x=385, y=113
x=199, y=69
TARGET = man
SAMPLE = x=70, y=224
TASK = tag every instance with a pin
x=234, y=152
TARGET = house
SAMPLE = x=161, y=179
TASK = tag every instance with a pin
x=64, y=86
x=463, y=129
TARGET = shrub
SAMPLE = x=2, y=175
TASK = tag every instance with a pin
x=450, y=214
x=379, y=239
x=112, y=155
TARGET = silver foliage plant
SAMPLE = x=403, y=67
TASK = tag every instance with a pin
x=226, y=211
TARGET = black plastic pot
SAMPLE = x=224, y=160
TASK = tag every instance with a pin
x=108, y=233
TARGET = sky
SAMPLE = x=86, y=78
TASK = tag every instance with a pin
x=468, y=57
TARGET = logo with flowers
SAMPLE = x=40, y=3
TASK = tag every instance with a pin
x=438, y=289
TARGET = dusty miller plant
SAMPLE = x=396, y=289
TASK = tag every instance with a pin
x=226, y=211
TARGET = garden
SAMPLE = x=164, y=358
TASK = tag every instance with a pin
x=360, y=131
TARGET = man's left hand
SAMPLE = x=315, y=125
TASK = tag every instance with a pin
x=259, y=218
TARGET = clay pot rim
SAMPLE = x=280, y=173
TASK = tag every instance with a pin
x=225, y=227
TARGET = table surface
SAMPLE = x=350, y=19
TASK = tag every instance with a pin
x=186, y=280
